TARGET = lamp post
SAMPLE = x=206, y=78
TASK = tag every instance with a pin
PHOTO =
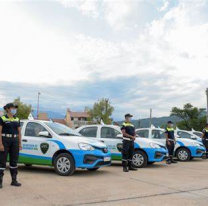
x=38, y=105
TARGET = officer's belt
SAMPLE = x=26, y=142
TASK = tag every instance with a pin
x=171, y=140
x=10, y=135
x=126, y=138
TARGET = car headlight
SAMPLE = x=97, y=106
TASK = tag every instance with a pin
x=154, y=145
x=85, y=146
x=196, y=144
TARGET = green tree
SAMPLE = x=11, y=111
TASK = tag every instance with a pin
x=191, y=117
x=102, y=110
x=23, y=110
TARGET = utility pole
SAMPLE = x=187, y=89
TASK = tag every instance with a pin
x=150, y=117
x=207, y=103
x=38, y=105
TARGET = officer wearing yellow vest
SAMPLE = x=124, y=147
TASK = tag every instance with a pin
x=129, y=136
x=10, y=142
x=205, y=139
x=170, y=142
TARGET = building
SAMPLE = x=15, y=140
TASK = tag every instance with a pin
x=1, y=113
x=72, y=119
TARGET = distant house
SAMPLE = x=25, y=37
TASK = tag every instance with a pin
x=72, y=119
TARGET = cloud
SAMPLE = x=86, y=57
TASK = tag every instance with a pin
x=163, y=66
x=164, y=7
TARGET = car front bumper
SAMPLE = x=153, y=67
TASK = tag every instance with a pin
x=156, y=154
x=91, y=159
x=197, y=151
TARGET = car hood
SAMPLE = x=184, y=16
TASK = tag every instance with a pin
x=79, y=139
x=188, y=141
x=146, y=140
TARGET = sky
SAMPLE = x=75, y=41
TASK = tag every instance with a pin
x=140, y=54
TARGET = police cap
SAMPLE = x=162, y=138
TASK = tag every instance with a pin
x=9, y=105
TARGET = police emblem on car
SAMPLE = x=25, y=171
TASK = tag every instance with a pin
x=119, y=147
x=44, y=147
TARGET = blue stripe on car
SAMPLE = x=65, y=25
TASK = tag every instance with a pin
x=35, y=156
x=60, y=144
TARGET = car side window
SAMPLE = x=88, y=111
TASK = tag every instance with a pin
x=184, y=135
x=158, y=134
x=89, y=132
x=143, y=133
x=110, y=133
x=33, y=129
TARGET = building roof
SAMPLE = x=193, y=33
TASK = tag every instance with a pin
x=79, y=114
x=61, y=121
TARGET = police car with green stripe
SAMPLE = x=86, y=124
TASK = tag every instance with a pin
x=146, y=151
x=54, y=144
x=185, y=149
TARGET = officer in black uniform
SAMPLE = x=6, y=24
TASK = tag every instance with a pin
x=170, y=142
x=129, y=135
x=205, y=139
x=10, y=142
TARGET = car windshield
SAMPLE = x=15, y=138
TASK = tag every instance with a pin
x=199, y=134
x=61, y=129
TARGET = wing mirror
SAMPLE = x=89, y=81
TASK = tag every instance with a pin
x=194, y=138
x=44, y=134
x=119, y=136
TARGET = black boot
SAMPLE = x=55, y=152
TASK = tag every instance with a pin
x=125, y=168
x=1, y=181
x=15, y=183
x=14, y=178
x=168, y=161
x=131, y=167
x=172, y=160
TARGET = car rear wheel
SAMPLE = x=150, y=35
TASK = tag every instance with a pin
x=139, y=159
x=93, y=169
x=64, y=164
x=183, y=155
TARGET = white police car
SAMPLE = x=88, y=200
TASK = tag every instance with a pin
x=53, y=144
x=146, y=151
x=185, y=149
x=187, y=134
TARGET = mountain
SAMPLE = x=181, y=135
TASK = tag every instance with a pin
x=156, y=121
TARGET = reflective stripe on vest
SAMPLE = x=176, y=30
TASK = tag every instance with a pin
x=170, y=129
x=5, y=119
x=126, y=124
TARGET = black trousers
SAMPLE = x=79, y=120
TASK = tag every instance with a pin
x=127, y=152
x=170, y=147
x=11, y=147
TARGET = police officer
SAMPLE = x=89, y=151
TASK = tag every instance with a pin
x=205, y=139
x=170, y=142
x=10, y=142
x=129, y=135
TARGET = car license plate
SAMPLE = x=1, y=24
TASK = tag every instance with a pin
x=107, y=159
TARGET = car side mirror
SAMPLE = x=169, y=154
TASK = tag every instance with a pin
x=194, y=138
x=119, y=136
x=44, y=134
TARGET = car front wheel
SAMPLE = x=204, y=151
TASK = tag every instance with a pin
x=64, y=164
x=183, y=155
x=139, y=159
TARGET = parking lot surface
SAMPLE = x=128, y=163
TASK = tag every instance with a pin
x=159, y=184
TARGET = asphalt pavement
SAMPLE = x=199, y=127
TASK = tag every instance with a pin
x=185, y=183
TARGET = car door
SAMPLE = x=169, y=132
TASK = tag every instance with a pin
x=158, y=135
x=108, y=135
x=36, y=149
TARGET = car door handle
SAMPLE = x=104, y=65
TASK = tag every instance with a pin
x=24, y=140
